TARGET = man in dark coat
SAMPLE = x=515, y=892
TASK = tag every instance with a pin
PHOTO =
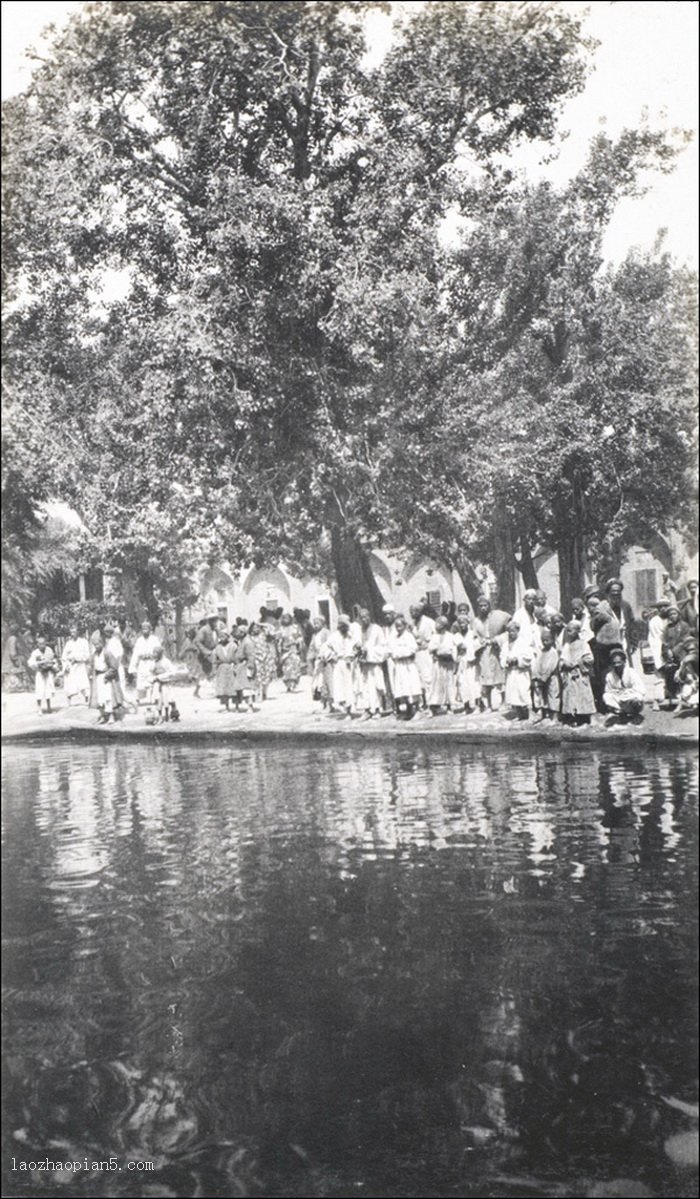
x=622, y=611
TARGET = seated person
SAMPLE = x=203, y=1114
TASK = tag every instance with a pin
x=624, y=690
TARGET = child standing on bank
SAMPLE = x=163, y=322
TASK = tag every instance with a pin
x=546, y=690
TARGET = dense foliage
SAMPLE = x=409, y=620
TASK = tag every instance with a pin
x=298, y=356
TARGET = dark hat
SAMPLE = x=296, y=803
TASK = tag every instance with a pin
x=617, y=652
x=591, y=589
x=614, y=583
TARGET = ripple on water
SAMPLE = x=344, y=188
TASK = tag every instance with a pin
x=281, y=971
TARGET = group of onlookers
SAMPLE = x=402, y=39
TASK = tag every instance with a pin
x=533, y=662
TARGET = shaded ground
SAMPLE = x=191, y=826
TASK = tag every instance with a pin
x=297, y=715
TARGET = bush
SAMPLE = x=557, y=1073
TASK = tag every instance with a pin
x=56, y=619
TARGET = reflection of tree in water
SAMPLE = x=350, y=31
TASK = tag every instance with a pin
x=379, y=960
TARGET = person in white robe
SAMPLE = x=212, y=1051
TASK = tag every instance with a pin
x=43, y=662
x=142, y=658
x=389, y=618
x=114, y=646
x=163, y=673
x=371, y=652
x=526, y=619
x=402, y=648
x=443, y=651
x=341, y=650
x=467, y=681
x=75, y=660
x=423, y=630
x=657, y=681
x=518, y=655
x=318, y=661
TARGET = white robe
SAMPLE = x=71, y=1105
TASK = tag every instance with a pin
x=75, y=658
x=517, y=657
x=405, y=678
x=341, y=650
x=467, y=681
x=370, y=688
x=423, y=631
x=657, y=626
x=443, y=651
x=620, y=689
x=142, y=661
x=115, y=647
x=528, y=628
x=44, y=685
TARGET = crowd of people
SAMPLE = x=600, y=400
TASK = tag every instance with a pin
x=533, y=664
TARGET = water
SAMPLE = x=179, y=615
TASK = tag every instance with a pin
x=283, y=971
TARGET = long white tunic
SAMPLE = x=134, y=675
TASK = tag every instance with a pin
x=467, y=680
x=656, y=639
x=369, y=676
x=528, y=628
x=142, y=660
x=44, y=685
x=115, y=647
x=423, y=631
x=402, y=649
x=341, y=651
x=517, y=657
x=75, y=658
x=443, y=651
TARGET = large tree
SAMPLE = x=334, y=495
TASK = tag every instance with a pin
x=276, y=204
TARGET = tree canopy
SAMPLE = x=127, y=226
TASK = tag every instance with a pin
x=299, y=361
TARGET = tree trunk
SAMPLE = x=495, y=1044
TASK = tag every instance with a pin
x=178, y=627
x=357, y=585
x=470, y=580
x=526, y=566
x=572, y=571
x=504, y=564
x=137, y=595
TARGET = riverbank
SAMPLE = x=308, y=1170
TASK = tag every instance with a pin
x=297, y=716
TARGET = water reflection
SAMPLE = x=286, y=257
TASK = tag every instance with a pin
x=284, y=971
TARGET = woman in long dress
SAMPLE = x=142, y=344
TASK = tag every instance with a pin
x=575, y=668
x=263, y=639
x=289, y=642
x=224, y=660
x=244, y=666
x=75, y=660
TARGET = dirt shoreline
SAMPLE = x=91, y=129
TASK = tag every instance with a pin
x=291, y=718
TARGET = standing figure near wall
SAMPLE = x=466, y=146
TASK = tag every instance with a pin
x=75, y=661
x=341, y=651
x=423, y=629
x=289, y=642
x=371, y=653
x=489, y=626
